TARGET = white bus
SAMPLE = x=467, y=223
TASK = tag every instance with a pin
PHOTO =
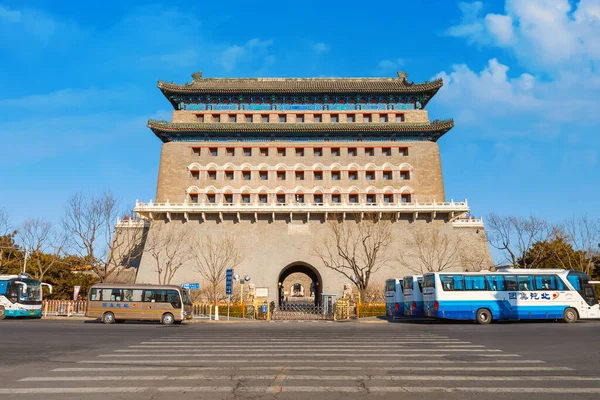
x=413, y=296
x=21, y=296
x=394, y=302
x=510, y=294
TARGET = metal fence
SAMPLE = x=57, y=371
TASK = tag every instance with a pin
x=66, y=308
x=302, y=312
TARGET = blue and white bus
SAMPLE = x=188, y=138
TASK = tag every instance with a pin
x=510, y=294
x=20, y=296
x=413, y=296
x=394, y=302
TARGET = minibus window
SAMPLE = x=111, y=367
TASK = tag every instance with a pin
x=173, y=297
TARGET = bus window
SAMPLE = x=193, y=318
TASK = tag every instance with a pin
x=495, y=282
x=429, y=281
x=475, y=282
x=545, y=282
x=575, y=280
x=116, y=295
x=452, y=282
x=148, y=296
x=525, y=282
x=173, y=298
x=560, y=284
x=132, y=294
x=510, y=282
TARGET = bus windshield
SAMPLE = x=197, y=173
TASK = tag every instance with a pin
x=186, y=298
x=33, y=292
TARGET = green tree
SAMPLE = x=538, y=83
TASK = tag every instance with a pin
x=555, y=252
x=67, y=275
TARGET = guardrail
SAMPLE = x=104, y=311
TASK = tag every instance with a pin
x=66, y=308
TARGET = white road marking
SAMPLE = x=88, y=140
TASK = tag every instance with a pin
x=281, y=361
x=315, y=368
x=320, y=344
x=339, y=353
x=287, y=377
x=306, y=389
x=287, y=350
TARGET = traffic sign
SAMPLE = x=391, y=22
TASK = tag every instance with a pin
x=190, y=286
x=229, y=282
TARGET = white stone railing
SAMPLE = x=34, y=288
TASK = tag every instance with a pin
x=274, y=207
x=468, y=222
x=130, y=223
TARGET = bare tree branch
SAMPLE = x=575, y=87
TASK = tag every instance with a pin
x=168, y=246
x=583, y=234
x=356, y=248
x=44, y=244
x=515, y=236
x=89, y=221
x=434, y=250
x=213, y=256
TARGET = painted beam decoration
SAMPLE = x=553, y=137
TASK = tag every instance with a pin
x=298, y=103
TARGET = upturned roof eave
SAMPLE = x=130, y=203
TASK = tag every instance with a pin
x=436, y=129
x=396, y=87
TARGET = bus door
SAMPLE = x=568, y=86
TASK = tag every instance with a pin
x=581, y=283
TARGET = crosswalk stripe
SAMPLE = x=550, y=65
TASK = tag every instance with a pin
x=200, y=354
x=294, y=342
x=315, y=346
x=317, y=368
x=340, y=350
x=258, y=361
x=306, y=389
x=287, y=377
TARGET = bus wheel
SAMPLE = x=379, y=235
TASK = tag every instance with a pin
x=484, y=316
x=570, y=315
x=108, y=318
x=167, y=319
x=2, y=312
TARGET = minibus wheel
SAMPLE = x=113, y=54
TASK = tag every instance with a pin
x=484, y=316
x=570, y=315
x=108, y=318
x=167, y=319
x=2, y=312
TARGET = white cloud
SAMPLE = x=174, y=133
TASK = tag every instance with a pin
x=471, y=26
x=386, y=66
x=253, y=49
x=501, y=27
x=9, y=15
x=545, y=35
x=521, y=105
x=69, y=98
x=321, y=48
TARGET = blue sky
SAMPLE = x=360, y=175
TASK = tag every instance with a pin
x=78, y=83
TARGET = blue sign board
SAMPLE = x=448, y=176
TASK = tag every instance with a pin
x=229, y=282
x=190, y=286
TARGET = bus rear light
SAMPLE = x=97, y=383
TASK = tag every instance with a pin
x=397, y=307
x=414, y=306
x=436, y=306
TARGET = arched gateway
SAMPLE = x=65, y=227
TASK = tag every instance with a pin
x=312, y=284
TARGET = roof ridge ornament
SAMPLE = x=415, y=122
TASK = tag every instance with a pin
x=196, y=76
x=403, y=76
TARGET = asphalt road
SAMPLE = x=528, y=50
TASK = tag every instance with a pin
x=296, y=360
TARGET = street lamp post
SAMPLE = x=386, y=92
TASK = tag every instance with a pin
x=242, y=282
